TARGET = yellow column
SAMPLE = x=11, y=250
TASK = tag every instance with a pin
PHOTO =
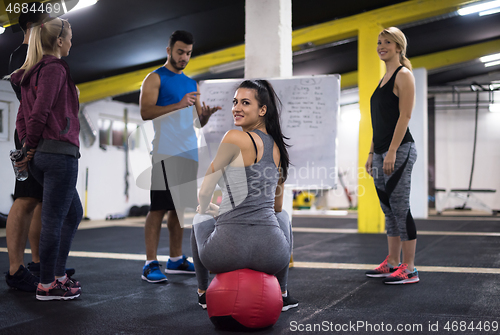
x=370, y=71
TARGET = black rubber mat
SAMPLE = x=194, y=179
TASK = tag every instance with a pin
x=115, y=300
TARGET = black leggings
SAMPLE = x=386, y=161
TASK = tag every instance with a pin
x=229, y=247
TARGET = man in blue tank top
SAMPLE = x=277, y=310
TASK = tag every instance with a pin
x=168, y=97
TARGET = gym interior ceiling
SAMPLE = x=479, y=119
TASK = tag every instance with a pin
x=117, y=37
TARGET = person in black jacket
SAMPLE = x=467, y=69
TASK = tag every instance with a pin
x=24, y=219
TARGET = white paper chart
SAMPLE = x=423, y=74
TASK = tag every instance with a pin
x=309, y=118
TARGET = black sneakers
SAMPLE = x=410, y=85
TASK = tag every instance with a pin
x=35, y=269
x=289, y=302
x=22, y=280
x=202, y=300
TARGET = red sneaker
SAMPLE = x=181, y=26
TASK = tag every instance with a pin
x=381, y=271
x=403, y=276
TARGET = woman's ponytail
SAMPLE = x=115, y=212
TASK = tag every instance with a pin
x=43, y=40
x=35, y=49
x=273, y=127
x=405, y=62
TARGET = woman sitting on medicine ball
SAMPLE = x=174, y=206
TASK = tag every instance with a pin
x=249, y=230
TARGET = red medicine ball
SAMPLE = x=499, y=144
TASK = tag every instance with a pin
x=244, y=298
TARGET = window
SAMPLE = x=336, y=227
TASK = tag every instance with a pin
x=104, y=131
x=4, y=121
x=111, y=131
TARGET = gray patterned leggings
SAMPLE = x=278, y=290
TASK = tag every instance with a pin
x=394, y=191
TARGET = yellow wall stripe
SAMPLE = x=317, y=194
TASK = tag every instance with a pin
x=439, y=59
x=408, y=11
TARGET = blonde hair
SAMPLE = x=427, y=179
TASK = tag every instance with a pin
x=43, y=40
x=397, y=36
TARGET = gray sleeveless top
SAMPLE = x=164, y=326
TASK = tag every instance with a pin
x=248, y=192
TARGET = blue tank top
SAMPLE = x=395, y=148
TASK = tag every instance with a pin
x=248, y=192
x=174, y=132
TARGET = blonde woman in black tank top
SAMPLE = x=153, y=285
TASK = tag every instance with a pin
x=392, y=155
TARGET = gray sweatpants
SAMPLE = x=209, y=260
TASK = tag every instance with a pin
x=229, y=247
x=394, y=191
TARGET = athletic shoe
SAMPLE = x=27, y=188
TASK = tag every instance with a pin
x=152, y=273
x=22, y=280
x=181, y=266
x=57, y=291
x=383, y=270
x=71, y=283
x=289, y=302
x=202, y=300
x=35, y=269
x=403, y=276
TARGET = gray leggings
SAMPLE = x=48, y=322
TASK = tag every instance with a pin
x=229, y=247
x=394, y=192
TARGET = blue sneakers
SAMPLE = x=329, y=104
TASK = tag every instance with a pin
x=152, y=273
x=182, y=266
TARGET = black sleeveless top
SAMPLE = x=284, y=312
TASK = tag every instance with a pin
x=384, y=106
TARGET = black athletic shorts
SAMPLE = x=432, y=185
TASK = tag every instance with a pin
x=30, y=187
x=180, y=191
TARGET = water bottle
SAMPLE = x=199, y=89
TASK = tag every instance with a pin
x=16, y=156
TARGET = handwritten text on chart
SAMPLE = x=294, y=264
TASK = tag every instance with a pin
x=305, y=108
